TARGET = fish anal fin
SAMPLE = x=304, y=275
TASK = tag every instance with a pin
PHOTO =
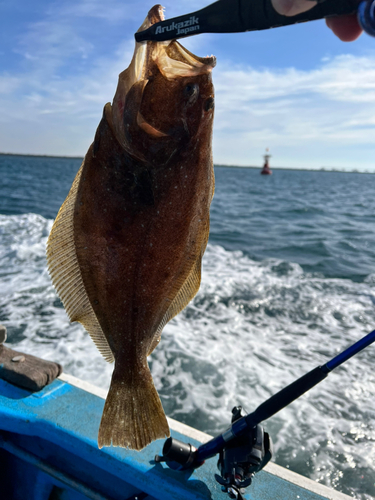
x=185, y=289
x=184, y=295
x=133, y=415
x=65, y=272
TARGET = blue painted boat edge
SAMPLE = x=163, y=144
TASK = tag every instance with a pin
x=49, y=438
x=273, y=469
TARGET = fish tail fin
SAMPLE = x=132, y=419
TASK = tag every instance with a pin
x=133, y=415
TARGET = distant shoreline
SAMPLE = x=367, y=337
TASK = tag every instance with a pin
x=322, y=169
x=43, y=156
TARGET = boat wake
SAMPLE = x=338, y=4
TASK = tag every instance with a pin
x=253, y=328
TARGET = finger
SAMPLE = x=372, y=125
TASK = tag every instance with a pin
x=292, y=7
x=345, y=27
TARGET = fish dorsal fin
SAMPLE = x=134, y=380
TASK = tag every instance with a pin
x=66, y=274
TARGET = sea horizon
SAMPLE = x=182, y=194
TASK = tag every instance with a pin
x=219, y=165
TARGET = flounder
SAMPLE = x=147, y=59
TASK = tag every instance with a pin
x=125, y=251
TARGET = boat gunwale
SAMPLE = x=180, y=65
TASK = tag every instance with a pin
x=272, y=468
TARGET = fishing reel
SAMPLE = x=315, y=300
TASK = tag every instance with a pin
x=239, y=459
x=242, y=457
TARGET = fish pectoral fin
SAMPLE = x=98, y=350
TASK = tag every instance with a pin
x=184, y=295
x=149, y=129
x=133, y=415
x=154, y=343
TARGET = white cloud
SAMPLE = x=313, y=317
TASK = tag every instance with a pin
x=112, y=12
x=53, y=102
x=49, y=44
x=50, y=115
x=302, y=115
x=317, y=117
x=9, y=83
x=116, y=11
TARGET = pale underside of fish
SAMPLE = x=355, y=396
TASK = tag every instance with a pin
x=125, y=251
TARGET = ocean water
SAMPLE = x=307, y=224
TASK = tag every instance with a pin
x=288, y=282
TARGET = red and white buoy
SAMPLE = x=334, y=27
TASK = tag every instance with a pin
x=266, y=167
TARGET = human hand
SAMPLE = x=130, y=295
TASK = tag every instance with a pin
x=345, y=27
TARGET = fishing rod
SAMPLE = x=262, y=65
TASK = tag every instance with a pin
x=245, y=448
x=236, y=16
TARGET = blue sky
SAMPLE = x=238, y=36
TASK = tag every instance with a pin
x=298, y=90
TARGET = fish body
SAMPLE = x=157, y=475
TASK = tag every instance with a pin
x=125, y=250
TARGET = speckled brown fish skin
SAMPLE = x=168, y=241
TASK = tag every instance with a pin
x=140, y=223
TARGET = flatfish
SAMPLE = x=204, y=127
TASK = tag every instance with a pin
x=125, y=251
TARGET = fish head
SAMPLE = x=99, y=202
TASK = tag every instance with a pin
x=164, y=100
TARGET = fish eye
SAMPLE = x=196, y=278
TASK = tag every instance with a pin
x=191, y=89
x=209, y=104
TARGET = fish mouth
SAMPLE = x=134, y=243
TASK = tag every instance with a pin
x=172, y=59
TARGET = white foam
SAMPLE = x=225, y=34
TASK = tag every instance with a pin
x=253, y=328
